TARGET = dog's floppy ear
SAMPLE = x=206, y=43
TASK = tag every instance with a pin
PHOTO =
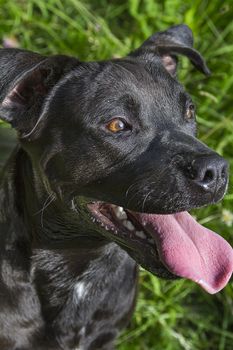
x=167, y=45
x=23, y=100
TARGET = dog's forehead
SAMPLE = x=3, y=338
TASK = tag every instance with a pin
x=124, y=84
x=137, y=76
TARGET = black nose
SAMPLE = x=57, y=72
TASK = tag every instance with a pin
x=209, y=172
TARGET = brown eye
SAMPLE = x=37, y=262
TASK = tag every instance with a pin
x=190, y=112
x=117, y=125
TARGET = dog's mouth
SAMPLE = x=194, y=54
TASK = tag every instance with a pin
x=176, y=241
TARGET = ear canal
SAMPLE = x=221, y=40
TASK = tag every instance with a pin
x=30, y=85
x=177, y=40
x=170, y=63
x=23, y=101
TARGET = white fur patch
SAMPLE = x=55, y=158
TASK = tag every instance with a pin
x=80, y=290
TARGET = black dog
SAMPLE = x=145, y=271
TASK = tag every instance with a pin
x=95, y=138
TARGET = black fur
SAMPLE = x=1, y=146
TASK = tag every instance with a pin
x=67, y=282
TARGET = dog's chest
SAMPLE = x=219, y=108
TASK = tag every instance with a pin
x=88, y=310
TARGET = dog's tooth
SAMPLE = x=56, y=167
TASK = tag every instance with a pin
x=120, y=213
x=128, y=224
x=123, y=216
x=140, y=234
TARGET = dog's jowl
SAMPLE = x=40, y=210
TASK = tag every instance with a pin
x=106, y=168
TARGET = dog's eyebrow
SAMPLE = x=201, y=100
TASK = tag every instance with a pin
x=123, y=105
x=130, y=105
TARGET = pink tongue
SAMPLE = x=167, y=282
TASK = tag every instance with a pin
x=190, y=250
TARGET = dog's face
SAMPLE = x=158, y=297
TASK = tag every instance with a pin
x=118, y=139
x=130, y=140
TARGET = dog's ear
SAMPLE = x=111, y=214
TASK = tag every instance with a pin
x=24, y=98
x=177, y=40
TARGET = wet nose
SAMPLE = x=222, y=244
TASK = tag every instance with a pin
x=209, y=172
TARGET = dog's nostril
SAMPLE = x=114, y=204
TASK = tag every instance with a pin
x=208, y=172
x=209, y=176
x=202, y=173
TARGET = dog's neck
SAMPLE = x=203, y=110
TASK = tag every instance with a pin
x=51, y=222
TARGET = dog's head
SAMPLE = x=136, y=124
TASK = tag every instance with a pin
x=118, y=136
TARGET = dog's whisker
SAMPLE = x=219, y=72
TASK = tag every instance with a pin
x=138, y=190
x=47, y=202
x=131, y=187
x=133, y=196
x=145, y=199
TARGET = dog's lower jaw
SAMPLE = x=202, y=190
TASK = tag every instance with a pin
x=79, y=292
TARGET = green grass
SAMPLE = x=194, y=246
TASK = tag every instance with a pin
x=169, y=315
